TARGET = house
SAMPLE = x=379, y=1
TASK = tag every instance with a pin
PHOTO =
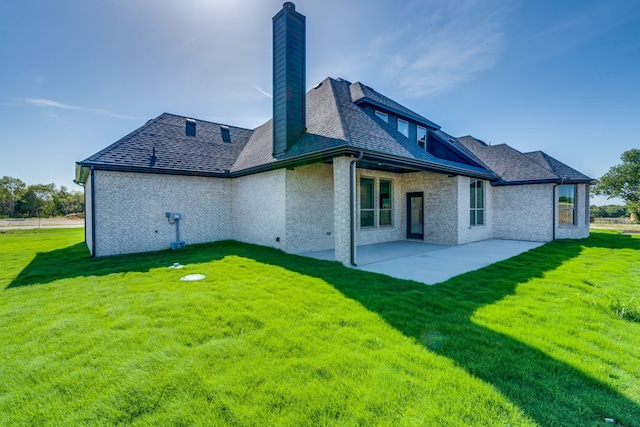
x=336, y=167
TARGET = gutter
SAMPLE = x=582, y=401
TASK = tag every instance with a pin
x=553, y=215
x=93, y=214
x=417, y=165
x=352, y=207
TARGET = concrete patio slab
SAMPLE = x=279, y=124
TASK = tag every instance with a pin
x=431, y=263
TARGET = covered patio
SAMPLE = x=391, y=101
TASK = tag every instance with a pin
x=430, y=263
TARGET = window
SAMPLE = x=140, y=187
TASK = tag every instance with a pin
x=366, y=203
x=403, y=127
x=476, y=213
x=421, y=137
x=567, y=204
x=385, y=202
x=382, y=116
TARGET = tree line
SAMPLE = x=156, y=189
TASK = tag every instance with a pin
x=609, y=211
x=19, y=200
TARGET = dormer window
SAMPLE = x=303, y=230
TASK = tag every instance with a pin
x=421, y=137
x=403, y=127
x=382, y=116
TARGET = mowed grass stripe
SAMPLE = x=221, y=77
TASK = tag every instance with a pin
x=274, y=339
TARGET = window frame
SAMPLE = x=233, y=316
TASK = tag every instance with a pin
x=382, y=209
x=476, y=211
x=573, y=203
x=372, y=210
x=426, y=135
x=398, y=121
x=382, y=116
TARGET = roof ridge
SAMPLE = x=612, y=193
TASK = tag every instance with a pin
x=203, y=120
x=547, y=166
x=343, y=124
x=123, y=139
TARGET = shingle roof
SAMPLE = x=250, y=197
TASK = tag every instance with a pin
x=361, y=93
x=514, y=167
x=205, y=153
x=336, y=121
x=565, y=172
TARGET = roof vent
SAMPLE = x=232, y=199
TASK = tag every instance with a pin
x=224, y=132
x=190, y=129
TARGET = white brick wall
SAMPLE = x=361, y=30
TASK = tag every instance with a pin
x=259, y=203
x=309, y=208
x=341, y=210
x=440, y=204
x=523, y=212
x=130, y=211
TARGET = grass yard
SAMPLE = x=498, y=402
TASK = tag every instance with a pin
x=548, y=338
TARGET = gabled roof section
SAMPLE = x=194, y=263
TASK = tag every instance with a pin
x=361, y=93
x=335, y=126
x=335, y=122
x=566, y=173
x=514, y=167
x=212, y=150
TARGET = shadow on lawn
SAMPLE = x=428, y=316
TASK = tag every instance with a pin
x=439, y=317
x=74, y=261
x=549, y=391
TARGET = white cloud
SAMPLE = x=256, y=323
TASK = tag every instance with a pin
x=39, y=102
x=447, y=43
x=264, y=92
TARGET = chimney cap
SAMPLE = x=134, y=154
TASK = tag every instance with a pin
x=289, y=5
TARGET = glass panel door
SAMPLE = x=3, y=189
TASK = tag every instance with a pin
x=415, y=216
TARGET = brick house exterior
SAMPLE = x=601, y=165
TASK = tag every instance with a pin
x=338, y=166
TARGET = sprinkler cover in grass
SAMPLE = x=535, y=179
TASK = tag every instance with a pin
x=176, y=265
x=192, y=277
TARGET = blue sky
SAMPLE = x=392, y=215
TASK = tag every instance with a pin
x=557, y=76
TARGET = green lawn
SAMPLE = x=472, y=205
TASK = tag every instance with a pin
x=550, y=338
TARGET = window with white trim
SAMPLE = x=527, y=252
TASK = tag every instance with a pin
x=382, y=116
x=403, y=127
x=476, y=199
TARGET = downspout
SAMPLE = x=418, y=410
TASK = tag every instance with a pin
x=93, y=214
x=352, y=207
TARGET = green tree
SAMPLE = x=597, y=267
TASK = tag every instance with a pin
x=11, y=190
x=38, y=200
x=623, y=181
x=67, y=202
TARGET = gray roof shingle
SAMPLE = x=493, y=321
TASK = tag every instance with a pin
x=205, y=153
x=361, y=93
x=336, y=120
x=566, y=173
x=515, y=167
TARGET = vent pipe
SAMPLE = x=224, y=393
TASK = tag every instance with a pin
x=289, y=58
